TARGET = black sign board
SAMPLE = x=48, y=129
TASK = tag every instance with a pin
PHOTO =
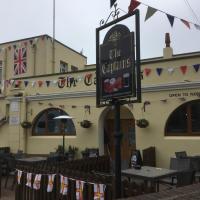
x=118, y=75
x=117, y=64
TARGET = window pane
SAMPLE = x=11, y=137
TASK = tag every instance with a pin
x=195, y=109
x=40, y=125
x=69, y=127
x=52, y=124
x=177, y=122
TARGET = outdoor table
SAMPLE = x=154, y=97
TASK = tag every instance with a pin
x=31, y=160
x=149, y=174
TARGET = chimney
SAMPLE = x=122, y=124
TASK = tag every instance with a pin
x=167, y=51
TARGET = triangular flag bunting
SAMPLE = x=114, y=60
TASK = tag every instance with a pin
x=63, y=185
x=79, y=190
x=186, y=23
x=40, y=83
x=99, y=190
x=19, y=175
x=112, y=2
x=37, y=180
x=197, y=26
x=159, y=71
x=26, y=83
x=133, y=5
x=50, y=182
x=147, y=71
x=28, y=179
x=150, y=12
x=170, y=70
x=48, y=83
x=196, y=67
x=183, y=69
x=171, y=19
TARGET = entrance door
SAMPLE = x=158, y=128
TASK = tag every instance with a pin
x=127, y=142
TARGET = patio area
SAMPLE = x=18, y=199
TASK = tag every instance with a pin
x=7, y=193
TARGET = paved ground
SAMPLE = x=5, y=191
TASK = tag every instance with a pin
x=7, y=194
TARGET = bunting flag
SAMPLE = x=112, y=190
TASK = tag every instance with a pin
x=150, y=12
x=19, y=175
x=133, y=5
x=171, y=19
x=51, y=178
x=48, y=83
x=37, y=180
x=147, y=71
x=40, y=83
x=112, y=2
x=25, y=43
x=183, y=69
x=196, y=67
x=9, y=48
x=26, y=83
x=63, y=185
x=28, y=178
x=186, y=23
x=31, y=42
x=99, y=190
x=197, y=26
x=170, y=70
x=159, y=71
x=79, y=190
x=33, y=84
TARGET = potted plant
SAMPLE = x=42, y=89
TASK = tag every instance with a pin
x=142, y=123
x=26, y=124
x=86, y=124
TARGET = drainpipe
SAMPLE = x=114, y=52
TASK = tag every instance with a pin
x=4, y=64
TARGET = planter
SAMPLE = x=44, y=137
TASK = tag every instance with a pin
x=86, y=124
x=26, y=124
x=142, y=123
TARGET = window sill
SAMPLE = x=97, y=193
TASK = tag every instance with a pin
x=52, y=136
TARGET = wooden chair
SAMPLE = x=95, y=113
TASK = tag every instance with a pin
x=149, y=156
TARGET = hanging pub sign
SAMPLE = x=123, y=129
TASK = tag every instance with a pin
x=117, y=63
x=117, y=72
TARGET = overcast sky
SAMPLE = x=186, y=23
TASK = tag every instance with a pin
x=76, y=21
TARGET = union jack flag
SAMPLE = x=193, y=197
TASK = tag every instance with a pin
x=20, y=65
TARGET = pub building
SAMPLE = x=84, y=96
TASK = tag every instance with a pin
x=39, y=82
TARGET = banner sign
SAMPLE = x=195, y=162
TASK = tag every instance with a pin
x=117, y=64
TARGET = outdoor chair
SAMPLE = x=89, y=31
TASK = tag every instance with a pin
x=149, y=156
x=179, y=164
x=185, y=178
x=181, y=154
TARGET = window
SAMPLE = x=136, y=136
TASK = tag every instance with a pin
x=185, y=120
x=45, y=124
x=63, y=67
x=74, y=69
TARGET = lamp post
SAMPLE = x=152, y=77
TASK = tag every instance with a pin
x=63, y=119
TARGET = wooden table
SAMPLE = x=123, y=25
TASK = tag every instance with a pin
x=149, y=174
x=31, y=160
